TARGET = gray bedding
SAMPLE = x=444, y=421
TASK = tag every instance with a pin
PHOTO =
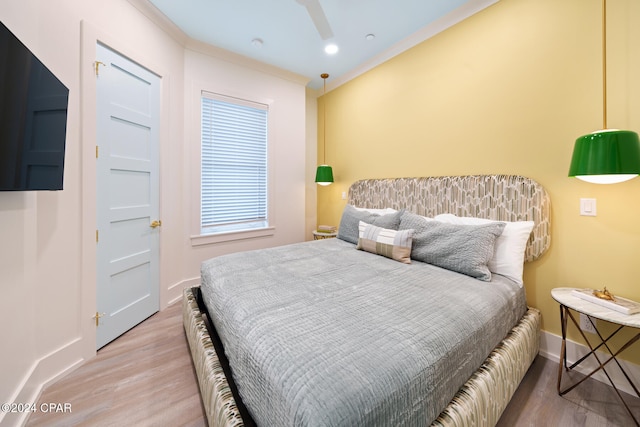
x=321, y=334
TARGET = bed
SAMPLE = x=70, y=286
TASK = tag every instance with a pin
x=321, y=333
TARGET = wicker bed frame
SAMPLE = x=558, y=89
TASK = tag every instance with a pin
x=483, y=398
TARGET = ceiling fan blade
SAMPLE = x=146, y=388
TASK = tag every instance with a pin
x=318, y=17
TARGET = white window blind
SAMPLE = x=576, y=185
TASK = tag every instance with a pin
x=234, y=164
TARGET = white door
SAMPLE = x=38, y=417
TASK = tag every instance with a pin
x=128, y=108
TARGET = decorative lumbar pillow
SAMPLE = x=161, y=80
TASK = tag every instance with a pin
x=465, y=249
x=388, y=243
x=508, y=253
x=351, y=216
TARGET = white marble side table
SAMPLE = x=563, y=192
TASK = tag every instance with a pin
x=568, y=301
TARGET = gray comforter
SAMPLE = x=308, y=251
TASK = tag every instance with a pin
x=321, y=334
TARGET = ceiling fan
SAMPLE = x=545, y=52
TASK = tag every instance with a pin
x=318, y=17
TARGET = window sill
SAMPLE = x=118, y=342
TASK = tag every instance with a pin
x=207, y=239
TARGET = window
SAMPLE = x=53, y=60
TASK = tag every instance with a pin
x=234, y=164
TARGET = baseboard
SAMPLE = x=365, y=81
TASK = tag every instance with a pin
x=44, y=371
x=550, y=345
x=175, y=291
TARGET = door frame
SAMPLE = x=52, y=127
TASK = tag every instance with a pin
x=90, y=37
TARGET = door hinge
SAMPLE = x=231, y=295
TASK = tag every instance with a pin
x=96, y=151
x=97, y=65
x=97, y=317
x=97, y=235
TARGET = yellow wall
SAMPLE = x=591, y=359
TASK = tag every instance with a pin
x=506, y=91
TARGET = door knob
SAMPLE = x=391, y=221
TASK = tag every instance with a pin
x=156, y=223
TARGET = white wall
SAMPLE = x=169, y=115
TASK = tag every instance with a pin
x=47, y=239
x=287, y=147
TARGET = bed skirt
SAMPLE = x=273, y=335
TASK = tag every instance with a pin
x=480, y=401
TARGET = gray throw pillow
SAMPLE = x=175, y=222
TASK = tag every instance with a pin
x=351, y=217
x=465, y=249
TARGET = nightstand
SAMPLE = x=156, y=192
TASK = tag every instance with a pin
x=317, y=235
x=568, y=301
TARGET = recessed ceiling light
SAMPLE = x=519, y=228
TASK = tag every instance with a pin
x=370, y=36
x=331, y=49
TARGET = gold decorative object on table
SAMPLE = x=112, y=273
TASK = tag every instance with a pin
x=605, y=298
x=604, y=294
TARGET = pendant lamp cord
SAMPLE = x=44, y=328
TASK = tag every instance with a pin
x=324, y=119
x=604, y=64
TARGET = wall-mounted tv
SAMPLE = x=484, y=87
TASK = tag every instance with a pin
x=33, y=119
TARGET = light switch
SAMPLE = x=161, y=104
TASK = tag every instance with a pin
x=344, y=195
x=588, y=207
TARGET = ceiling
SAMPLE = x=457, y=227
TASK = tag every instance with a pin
x=283, y=33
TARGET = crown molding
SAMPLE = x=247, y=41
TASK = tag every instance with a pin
x=235, y=58
x=158, y=18
x=165, y=24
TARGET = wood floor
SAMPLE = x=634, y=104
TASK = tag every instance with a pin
x=146, y=378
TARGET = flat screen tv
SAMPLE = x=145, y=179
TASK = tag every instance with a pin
x=33, y=120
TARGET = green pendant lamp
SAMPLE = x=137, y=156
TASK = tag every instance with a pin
x=324, y=173
x=606, y=156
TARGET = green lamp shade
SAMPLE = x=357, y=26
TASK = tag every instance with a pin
x=324, y=175
x=606, y=157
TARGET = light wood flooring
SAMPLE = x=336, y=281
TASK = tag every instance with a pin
x=146, y=378
x=143, y=378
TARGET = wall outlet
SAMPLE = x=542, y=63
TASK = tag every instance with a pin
x=586, y=325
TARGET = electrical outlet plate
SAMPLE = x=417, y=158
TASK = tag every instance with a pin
x=585, y=325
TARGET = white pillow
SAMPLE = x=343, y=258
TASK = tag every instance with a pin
x=377, y=211
x=508, y=256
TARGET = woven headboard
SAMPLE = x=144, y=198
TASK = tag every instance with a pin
x=498, y=197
